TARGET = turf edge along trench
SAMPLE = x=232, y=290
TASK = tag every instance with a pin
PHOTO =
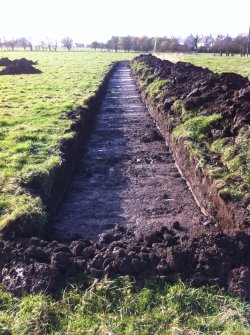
x=183, y=100
x=52, y=187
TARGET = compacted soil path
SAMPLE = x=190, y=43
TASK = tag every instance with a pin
x=126, y=174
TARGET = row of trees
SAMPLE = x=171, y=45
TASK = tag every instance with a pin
x=26, y=44
x=219, y=44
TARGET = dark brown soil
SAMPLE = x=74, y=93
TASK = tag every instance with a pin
x=18, y=66
x=5, y=61
x=203, y=93
x=226, y=93
x=33, y=265
x=127, y=176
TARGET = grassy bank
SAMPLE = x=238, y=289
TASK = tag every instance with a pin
x=116, y=307
x=216, y=63
x=34, y=121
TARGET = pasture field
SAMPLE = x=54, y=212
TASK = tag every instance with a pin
x=116, y=307
x=33, y=121
x=216, y=63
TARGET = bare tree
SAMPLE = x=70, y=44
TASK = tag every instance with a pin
x=196, y=40
x=67, y=43
x=43, y=45
x=146, y=44
x=22, y=42
x=126, y=43
x=208, y=43
x=115, y=43
x=248, y=42
x=54, y=45
x=219, y=44
x=240, y=45
x=10, y=44
x=94, y=45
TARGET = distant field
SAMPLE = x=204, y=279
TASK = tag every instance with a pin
x=33, y=120
x=215, y=63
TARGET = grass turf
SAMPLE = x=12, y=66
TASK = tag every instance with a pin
x=116, y=307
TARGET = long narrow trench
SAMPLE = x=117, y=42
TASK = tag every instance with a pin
x=126, y=175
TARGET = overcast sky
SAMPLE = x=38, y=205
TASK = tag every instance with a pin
x=89, y=20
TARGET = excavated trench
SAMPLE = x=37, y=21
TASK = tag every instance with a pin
x=128, y=211
x=126, y=175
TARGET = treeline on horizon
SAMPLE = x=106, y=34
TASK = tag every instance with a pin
x=220, y=44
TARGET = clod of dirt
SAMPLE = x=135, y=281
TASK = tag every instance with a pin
x=20, y=66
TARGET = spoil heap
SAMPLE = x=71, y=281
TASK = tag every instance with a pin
x=18, y=66
x=205, y=119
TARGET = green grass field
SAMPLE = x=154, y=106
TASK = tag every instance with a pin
x=33, y=122
x=216, y=63
x=115, y=307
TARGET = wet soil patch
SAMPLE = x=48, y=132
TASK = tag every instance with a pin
x=18, y=66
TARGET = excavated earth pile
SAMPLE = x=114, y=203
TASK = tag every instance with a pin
x=18, y=66
x=204, y=118
x=126, y=175
x=33, y=265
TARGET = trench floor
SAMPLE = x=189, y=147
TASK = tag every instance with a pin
x=126, y=174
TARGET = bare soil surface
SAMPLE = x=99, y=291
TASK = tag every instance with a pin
x=127, y=174
x=127, y=177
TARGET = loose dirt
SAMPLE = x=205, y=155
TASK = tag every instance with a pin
x=127, y=177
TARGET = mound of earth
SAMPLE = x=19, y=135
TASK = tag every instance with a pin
x=205, y=118
x=24, y=62
x=5, y=61
x=34, y=265
x=20, y=66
